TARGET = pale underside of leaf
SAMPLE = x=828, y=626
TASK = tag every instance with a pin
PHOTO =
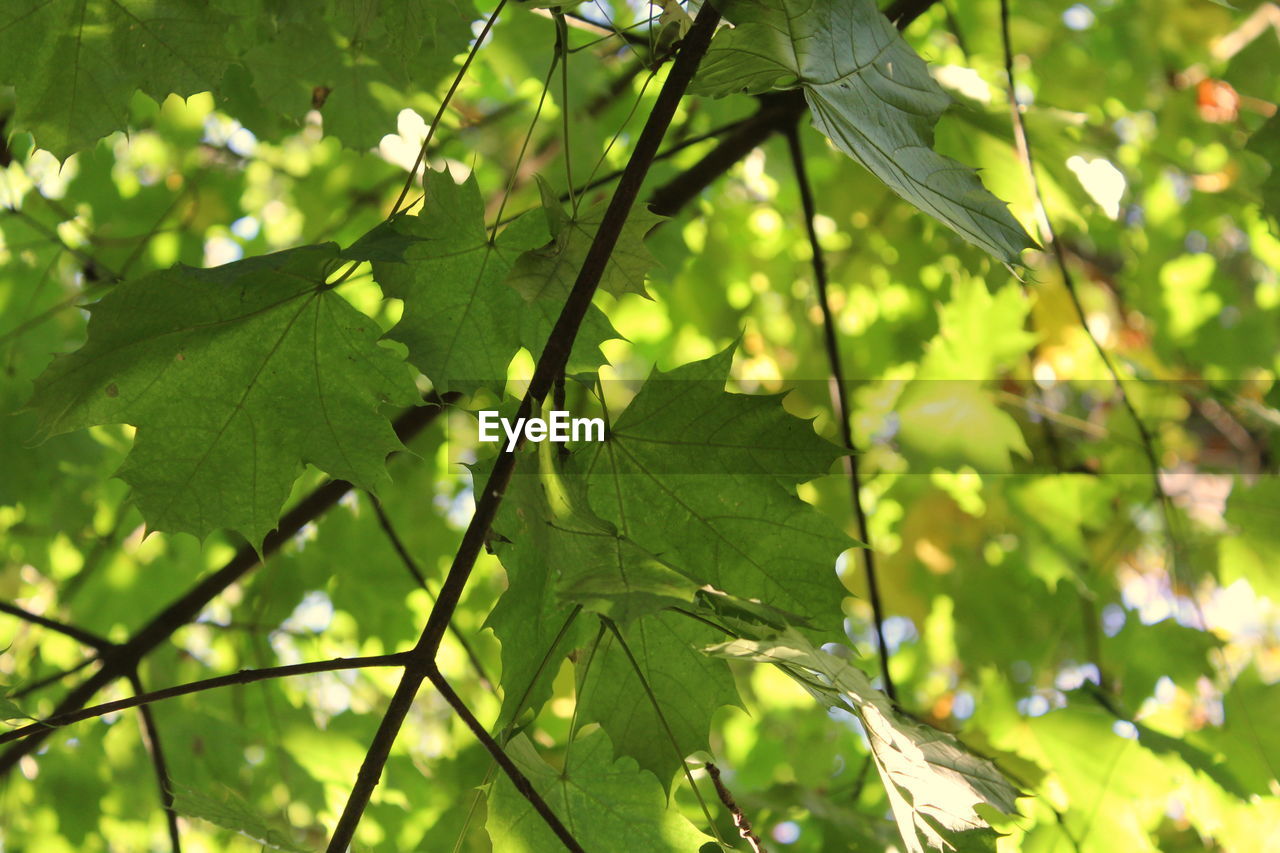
x=870, y=94
x=933, y=783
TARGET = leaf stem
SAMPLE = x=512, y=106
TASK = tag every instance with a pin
x=840, y=402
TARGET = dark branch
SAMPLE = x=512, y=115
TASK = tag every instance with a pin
x=840, y=401
x=151, y=739
x=411, y=565
x=80, y=635
x=518, y=779
x=245, y=676
x=550, y=364
x=123, y=658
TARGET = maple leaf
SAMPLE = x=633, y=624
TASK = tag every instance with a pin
x=550, y=270
x=609, y=803
x=75, y=64
x=692, y=474
x=934, y=784
x=658, y=516
x=870, y=94
x=462, y=325
x=234, y=377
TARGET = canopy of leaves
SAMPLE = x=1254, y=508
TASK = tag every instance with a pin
x=263, y=263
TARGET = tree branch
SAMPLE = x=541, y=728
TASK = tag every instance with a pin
x=550, y=364
x=521, y=782
x=245, y=676
x=80, y=635
x=411, y=565
x=739, y=819
x=840, y=401
x=122, y=659
x=151, y=739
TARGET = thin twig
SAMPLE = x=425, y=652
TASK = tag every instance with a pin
x=80, y=635
x=188, y=606
x=739, y=819
x=244, y=676
x=411, y=565
x=555, y=355
x=151, y=740
x=53, y=678
x=518, y=779
x=840, y=402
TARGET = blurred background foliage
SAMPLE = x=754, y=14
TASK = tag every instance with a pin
x=1120, y=667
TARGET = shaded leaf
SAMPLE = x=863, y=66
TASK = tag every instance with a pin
x=75, y=64
x=607, y=804
x=355, y=53
x=870, y=94
x=688, y=686
x=1265, y=142
x=234, y=377
x=462, y=325
x=550, y=270
x=692, y=474
x=230, y=811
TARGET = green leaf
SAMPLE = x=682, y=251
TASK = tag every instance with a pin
x=10, y=710
x=688, y=687
x=1248, y=737
x=462, y=325
x=530, y=614
x=234, y=377
x=75, y=64
x=607, y=804
x=1252, y=553
x=935, y=785
x=955, y=423
x=979, y=334
x=870, y=94
x=550, y=270
x=692, y=474
x=355, y=54
x=230, y=811
x=1265, y=142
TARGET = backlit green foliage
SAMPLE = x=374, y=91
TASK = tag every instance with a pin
x=216, y=321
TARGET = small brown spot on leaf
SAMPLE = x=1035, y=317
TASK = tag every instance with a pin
x=319, y=95
x=181, y=357
x=112, y=390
